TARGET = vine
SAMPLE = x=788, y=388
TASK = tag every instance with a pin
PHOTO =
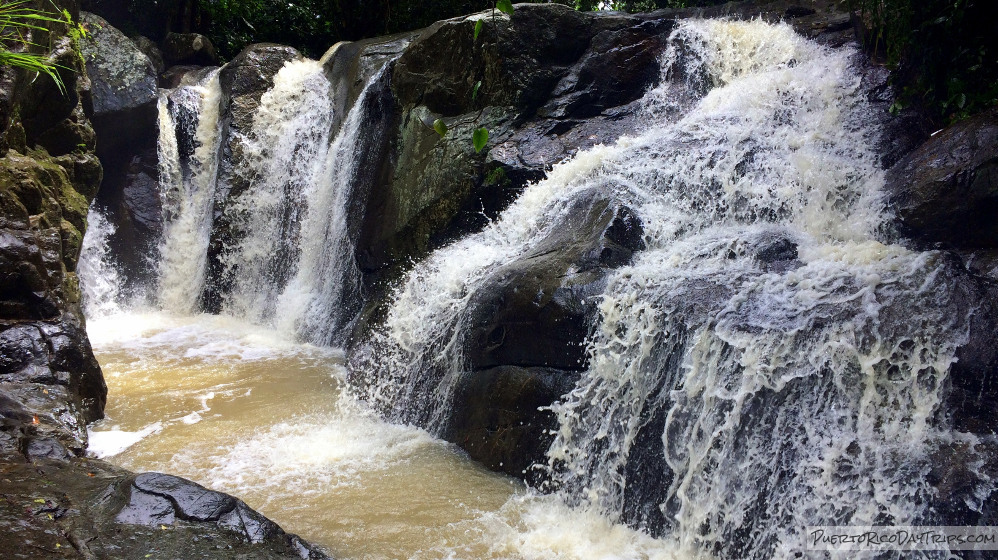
x=480, y=137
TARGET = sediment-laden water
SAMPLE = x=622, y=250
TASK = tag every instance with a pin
x=241, y=409
x=772, y=359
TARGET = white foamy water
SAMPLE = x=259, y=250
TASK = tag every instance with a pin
x=284, y=158
x=100, y=281
x=104, y=444
x=275, y=429
x=767, y=362
x=187, y=185
x=293, y=266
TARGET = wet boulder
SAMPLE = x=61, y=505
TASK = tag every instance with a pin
x=125, y=119
x=180, y=75
x=151, y=50
x=123, y=86
x=501, y=420
x=99, y=511
x=131, y=200
x=946, y=191
x=243, y=81
x=526, y=332
x=536, y=311
x=973, y=379
x=189, y=48
x=547, y=82
x=248, y=76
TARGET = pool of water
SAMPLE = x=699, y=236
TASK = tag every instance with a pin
x=243, y=410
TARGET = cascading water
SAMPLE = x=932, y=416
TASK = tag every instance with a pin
x=284, y=159
x=188, y=169
x=294, y=265
x=100, y=281
x=769, y=361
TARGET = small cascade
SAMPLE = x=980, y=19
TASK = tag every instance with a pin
x=284, y=161
x=770, y=360
x=100, y=280
x=188, y=167
x=323, y=297
x=294, y=267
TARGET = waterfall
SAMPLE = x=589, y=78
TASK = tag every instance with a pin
x=288, y=261
x=284, y=158
x=100, y=281
x=294, y=266
x=770, y=361
x=188, y=169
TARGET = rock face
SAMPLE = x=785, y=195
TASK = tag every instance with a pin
x=243, y=80
x=189, y=48
x=526, y=330
x=545, y=93
x=124, y=82
x=151, y=50
x=50, y=383
x=89, y=509
x=53, y=502
x=946, y=191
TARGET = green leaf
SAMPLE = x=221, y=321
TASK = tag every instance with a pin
x=441, y=127
x=474, y=91
x=478, y=27
x=481, y=138
x=505, y=6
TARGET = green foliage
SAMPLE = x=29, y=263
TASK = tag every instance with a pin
x=944, y=52
x=640, y=5
x=480, y=138
x=478, y=28
x=18, y=23
x=441, y=127
x=505, y=6
x=496, y=177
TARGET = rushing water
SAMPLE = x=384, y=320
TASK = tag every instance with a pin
x=770, y=361
x=188, y=171
x=289, y=259
x=241, y=409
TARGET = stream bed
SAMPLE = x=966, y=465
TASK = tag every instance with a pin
x=240, y=409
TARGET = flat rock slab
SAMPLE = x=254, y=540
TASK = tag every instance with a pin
x=87, y=508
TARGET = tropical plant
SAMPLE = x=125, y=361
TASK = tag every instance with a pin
x=944, y=52
x=19, y=22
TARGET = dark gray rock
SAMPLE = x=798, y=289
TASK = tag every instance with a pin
x=180, y=75
x=123, y=78
x=248, y=76
x=973, y=378
x=130, y=198
x=151, y=50
x=141, y=194
x=946, y=191
x=536, y=311
x=124, y=97
x=526, y=331
x=189, y=48
x=553, y=81
x=90, y=509
x=243, y=80
x=500, y=421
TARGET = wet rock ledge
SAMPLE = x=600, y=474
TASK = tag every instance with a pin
x=54, y=502
x=84, y=508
